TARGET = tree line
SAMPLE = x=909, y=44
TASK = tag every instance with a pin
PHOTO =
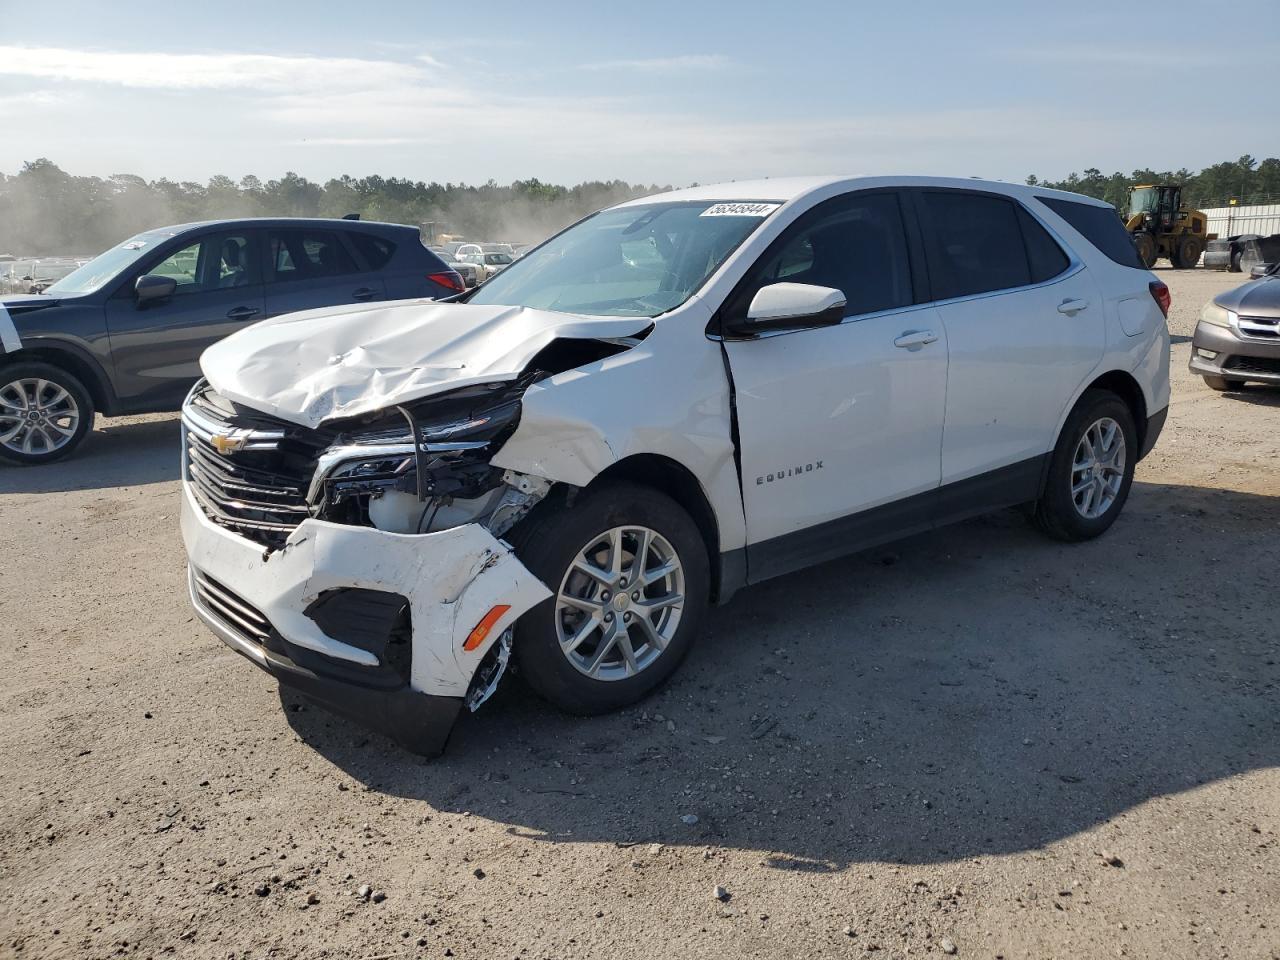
x=1245, y=180
x=45, y=210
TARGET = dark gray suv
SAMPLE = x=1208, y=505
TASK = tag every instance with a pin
x=123, y=334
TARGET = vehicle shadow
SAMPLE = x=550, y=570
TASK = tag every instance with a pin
x=974, y=691
x=1255, y=393
x=116, y=454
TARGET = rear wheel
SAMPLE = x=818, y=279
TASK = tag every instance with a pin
x=631, y=579
x=45, y=413
x=1222, y=383
x=1091, y=469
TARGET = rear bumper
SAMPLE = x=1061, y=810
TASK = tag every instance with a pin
x=1235, y=357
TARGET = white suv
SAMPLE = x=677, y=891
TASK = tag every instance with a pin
x=673, y=398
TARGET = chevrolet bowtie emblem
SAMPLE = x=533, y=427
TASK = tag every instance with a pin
x=226, y=445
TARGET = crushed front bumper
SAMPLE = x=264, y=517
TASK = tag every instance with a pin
x=266, y=606
x=1235, y=357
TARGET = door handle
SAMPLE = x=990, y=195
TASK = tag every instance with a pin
x=364, y=293
x=242, y=313
x=1071, y=307
x=913, y=339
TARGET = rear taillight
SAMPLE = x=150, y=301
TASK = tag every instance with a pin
x=450, y=279
x=1160, y=293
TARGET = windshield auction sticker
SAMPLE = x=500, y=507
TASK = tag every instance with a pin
x=740, y=210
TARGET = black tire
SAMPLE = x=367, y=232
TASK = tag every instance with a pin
x=1145, y=244
x=1187, y=253
x=1222, y=383
x=1056, y=512
x=550, y=539
x=79, y=402
x=1234, y=265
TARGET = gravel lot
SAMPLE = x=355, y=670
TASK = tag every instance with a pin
x=923, y=750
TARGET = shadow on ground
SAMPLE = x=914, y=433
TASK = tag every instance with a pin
x=117, y=454
x=974, y=691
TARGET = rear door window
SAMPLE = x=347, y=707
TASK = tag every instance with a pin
x=1101, y=226
x=1044, y=256
x=308, y=254
x=975, y=244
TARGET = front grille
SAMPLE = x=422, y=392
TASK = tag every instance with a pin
x=237, y=613
x=1260, y=328
x=259, y=491
x=1265, y=365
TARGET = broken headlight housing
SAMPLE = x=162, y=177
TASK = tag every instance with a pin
x=420, y=466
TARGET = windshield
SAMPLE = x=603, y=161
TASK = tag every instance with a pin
x=1143, y=200
x=635, y=261
x=492, y=258
x=107, y=266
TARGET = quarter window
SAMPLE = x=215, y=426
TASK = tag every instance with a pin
x=1101, y=226
x=376, y=251
x=855, y=244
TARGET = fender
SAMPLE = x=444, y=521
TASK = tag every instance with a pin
x=76, y=359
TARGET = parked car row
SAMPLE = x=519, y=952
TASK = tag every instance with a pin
x=34, y=275
x=124, y=332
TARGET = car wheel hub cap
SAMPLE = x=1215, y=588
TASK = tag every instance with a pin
x=36, y=416
x=1097, y=469
x=619, y=604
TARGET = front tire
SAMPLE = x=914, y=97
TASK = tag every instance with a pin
x=1145, y=244
x=1091, y=469
x=1222, y=383
x=630, y=574
x=45, y=413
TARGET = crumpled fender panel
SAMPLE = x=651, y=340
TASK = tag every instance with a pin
x=668, y=395
x=451, y=578
x=346, y=361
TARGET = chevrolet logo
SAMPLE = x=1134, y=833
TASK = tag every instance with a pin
x=226, y=445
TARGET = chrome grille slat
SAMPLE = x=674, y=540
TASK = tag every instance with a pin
x=234, y=611
x=258, y=490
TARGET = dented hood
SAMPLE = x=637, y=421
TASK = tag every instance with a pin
x=345, y=361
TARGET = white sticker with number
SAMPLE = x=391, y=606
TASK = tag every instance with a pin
x=740, y=210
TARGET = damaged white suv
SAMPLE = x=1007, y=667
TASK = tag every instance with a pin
x=672, y=398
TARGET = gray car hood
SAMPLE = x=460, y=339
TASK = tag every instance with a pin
x=1257, y=298
x=346, y=361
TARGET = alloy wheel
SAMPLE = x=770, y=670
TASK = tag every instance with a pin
x=1097, y=469
x=37, y=416
x=620, y=603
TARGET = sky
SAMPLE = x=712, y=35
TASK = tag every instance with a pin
x=648, y=92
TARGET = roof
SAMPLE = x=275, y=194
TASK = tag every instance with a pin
x=329, y=222
x=785, y=189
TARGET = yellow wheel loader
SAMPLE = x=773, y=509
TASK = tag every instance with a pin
x=1162, y=227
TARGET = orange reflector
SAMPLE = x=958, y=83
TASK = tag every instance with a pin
x=476, y=636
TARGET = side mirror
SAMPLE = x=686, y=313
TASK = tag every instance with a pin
x=791, y=306
x=149, y=288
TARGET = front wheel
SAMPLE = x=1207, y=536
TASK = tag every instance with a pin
x=1222, y=383
x=45, y=413
x=1091, y=469
x=631, y=579
x=1145, y=244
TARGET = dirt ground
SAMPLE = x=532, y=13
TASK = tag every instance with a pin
x=923, y=750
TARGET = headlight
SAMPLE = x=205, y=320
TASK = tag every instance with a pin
x=1215, y=315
